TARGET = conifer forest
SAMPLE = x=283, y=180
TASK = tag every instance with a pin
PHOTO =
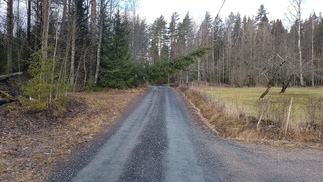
x=74, y=45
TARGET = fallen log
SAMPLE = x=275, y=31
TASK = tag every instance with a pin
x=8, y=84
x=5, y=77
x=9, y=91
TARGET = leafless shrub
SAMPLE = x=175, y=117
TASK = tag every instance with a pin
x=314, y=116
x=274, y=112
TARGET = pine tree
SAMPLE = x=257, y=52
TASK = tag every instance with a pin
x=184, y=32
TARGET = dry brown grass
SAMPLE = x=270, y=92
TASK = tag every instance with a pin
x=238, y=118
x=33, y=143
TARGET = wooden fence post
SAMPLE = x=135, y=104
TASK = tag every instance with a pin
x=288, y=115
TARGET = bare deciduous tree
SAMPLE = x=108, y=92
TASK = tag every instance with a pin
x=295, y=15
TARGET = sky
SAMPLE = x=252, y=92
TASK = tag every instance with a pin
x=277, y=9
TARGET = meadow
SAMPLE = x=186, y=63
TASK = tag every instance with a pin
x=247, y=99
x=296, y=115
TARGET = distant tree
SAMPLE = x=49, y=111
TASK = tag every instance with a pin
x=157, y=73
x=186, y=43
x=83, y=45
x=249, y=52
x=262, y=14
x=158, y=38
x=186, y=35
x=295, y=15
x=218, y=31
x=228, y=52
x=206, y=66
x=279, y=37
x=318, y=49
x=173, y=34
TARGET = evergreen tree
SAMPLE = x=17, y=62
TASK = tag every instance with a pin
x=116, y=66
x=173, y=34
x=262, y=14
x=82, y=11
x=158, y=37
x=185, y=34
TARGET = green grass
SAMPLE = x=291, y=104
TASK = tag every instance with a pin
x=245, y=99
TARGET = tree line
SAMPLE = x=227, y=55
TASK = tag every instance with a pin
x=258, y=51
x=77, y=44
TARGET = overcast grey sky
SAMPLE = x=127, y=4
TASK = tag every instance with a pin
x=152, y=9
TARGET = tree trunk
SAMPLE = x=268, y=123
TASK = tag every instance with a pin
x=66, y=32
x=72, y=73
x=285, y=85
x=269, y=85
x=198, y=69
x=92, y=60
x=98, y=57
x=29, y=22
x=298, y=19
x=10, y=18
x=300, y=56
x=93, y=17
x=271, y=81
x=312, y=56
x=45, y=27
x=54, y=62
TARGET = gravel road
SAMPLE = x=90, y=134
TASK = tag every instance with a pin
x=157, y=141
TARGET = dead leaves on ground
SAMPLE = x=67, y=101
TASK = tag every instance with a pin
x=32, y=144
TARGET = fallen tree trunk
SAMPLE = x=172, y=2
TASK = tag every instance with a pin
x=5, y=77
x=6, y=101
x=8, y=89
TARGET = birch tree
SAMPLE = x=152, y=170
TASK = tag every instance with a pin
x=295, y=15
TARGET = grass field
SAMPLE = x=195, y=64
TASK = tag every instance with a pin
x=246, y=99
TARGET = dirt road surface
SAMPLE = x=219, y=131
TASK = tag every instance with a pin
x=157, y=140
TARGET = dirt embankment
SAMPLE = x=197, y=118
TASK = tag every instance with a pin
x=34, y=142
x=240, y=127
